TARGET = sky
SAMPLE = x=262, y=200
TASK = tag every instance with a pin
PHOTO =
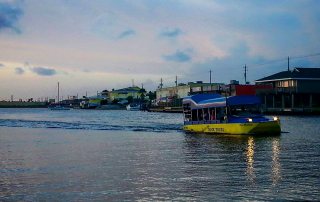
x=90, y=46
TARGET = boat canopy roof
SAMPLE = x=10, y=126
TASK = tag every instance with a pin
x=216, y=100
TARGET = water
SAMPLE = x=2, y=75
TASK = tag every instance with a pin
x=90, y=120
x=82, y=155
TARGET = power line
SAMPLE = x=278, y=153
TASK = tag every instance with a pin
x=268, y=63
x=305, y=56
x=171, y=79
x=284, y=59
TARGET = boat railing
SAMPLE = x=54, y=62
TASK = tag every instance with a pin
x=202, y=122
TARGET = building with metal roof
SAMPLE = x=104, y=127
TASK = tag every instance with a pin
x=294, y=90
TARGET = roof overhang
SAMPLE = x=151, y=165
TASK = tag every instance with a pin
x=284, y=79
x=222, y=101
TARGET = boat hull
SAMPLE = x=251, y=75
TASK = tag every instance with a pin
x=261, y=128
x=59, y=108
x=133, y=108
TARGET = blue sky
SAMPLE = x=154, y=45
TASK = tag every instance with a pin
x=89, y=46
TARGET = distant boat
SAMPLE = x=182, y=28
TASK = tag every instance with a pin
x=58, y=105
x=133, y=107
x=111, y=107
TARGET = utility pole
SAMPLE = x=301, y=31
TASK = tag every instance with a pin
x=176, y=81
x=288, y=63
x=58, y=92
x=142, y=86
x=161, y=84
x=210, y=77
x=245, y=74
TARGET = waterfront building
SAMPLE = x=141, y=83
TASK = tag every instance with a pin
x=294, y=90
x=93, y=102
x=122, y=94
x=175, y=94
x=243, y=89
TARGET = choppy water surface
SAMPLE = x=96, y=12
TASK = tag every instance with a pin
x=82, y=155
x=90, y=120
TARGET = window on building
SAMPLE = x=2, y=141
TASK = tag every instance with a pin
x=284, y=84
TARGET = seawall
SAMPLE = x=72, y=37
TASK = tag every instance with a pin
x=19, y=104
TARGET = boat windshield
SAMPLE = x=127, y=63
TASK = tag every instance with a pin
x=245, y=110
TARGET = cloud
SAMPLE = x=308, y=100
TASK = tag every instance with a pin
x=152, y=39
x=126, y=34
x=111, y=26
x=231, y=67
x=178, y=56
x=171, y=32
x=43, y=71
x=19, y=70
x=9, y=16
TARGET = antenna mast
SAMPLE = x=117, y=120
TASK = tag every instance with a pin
x=58, y=92
x=245, y=74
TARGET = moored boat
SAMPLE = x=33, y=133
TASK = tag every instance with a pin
x=133, y=107
x=58, y=105
x=213, y=113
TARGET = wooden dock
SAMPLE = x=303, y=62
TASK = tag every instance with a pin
x=166, y=109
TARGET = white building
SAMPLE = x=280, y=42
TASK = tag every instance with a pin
x=183, y=90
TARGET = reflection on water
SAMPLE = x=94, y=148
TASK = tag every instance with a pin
x=240, y=158
x=250, y=159
x=276, y=166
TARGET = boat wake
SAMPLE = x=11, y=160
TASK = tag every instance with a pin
x=88, y=126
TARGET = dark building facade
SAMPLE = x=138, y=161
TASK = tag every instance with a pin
x=297, y=90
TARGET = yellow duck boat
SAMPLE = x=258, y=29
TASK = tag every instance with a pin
x=238, y=115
